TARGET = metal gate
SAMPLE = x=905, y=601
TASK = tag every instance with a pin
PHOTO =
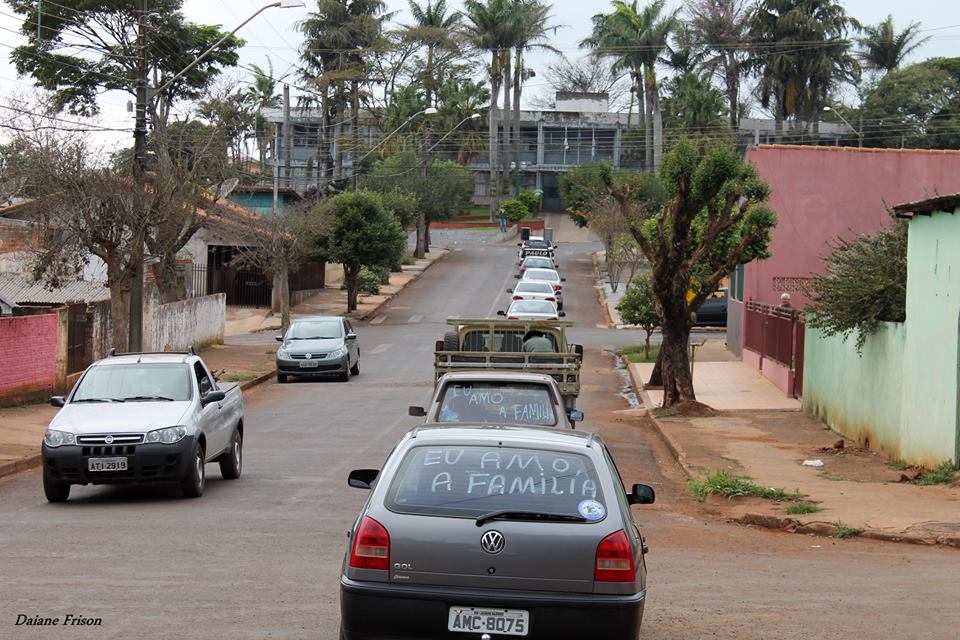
x=79, y=354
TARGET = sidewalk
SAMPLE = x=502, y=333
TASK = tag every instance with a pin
x=759, y=434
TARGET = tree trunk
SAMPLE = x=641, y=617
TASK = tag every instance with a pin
x=656, y=376
x=674, y=354
x=119, y=306
x=648, y=126
x=653, y=99
x=429, y=83
x=515, y=126
x=426, y=243
x=169, y=283
x=350, y=273
x=285, y=297
x=323, y=145
x=507, y=121
x=733, y=96
x=493, y=136
x=646, y=346
x=421, y=249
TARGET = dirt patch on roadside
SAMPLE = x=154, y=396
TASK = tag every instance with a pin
x=686, y=409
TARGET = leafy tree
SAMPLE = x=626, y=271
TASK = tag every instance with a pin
x=359, y=232
x=864, y=283
x=918, y=106
x=883, y=49
x=515, y=210
x=639, y=307
x=693, y=104
x=715, y=218
x=436, y=30
x=83, y=47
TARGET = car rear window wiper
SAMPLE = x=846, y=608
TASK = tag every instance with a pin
x=149, y=398
x=99, y=400
x=528, y=515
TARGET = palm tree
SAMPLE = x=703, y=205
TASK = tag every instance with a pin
x=722, y=28
x=643, y=35
x=883, y=49
x=435, y=29
x=487, y=27
x=263, y=94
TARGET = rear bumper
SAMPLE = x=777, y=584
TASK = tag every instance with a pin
x=371, y=611
x=145, y=463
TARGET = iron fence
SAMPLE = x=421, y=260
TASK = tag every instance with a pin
x=776, y=333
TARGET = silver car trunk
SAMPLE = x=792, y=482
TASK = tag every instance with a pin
x=537, y=556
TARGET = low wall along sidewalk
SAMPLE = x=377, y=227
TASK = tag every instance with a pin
x=30, y=358
x=198, y=322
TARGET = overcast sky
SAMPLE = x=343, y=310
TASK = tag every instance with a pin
x=272, y=35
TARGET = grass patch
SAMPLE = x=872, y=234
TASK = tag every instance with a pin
x=827, y=476
x=408, y=260
x=635, y=353
x=899, y=465
x=841, y=531
x=941, y=475
x=665, y=412
x=239, y=377
x=731, y=486
x=802, y=508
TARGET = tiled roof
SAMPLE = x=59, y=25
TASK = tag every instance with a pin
x=948, y=203
x=21, y=291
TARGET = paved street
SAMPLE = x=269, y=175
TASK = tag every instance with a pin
x=260, y=557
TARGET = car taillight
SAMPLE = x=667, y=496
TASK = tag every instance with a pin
x=512, y=318
x=518, y=297
x=371, y=546
x=614, y=559
x=550, y=299
x=557, y=287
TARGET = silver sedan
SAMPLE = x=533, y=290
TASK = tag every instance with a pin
x=532, y=310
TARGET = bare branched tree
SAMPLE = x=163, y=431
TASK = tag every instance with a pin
x=584, y=75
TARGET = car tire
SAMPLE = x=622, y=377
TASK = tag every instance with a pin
x=282, y=378
x=559, y=306
x=231, y=462
x=355, y=369
x=55, y=490
x=194, y=481
x=345, y=376
x=451, y=341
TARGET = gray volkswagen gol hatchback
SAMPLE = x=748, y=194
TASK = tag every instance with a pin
x=495, y=532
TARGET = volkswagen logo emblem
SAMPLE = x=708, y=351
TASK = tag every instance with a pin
x=108, y=440
x=492, y=542
x=309, y=355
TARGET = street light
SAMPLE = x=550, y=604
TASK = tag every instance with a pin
x=429, y=111
x=852, y=128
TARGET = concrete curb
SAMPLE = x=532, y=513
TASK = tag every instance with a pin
x=370, y=315
x=668, y=440
x=23, y=464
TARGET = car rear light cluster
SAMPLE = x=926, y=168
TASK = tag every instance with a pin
x=614, y=559
x=557, y=287
x=512, y=318
x=550, y=299
x=371, y=546
x=518, y=297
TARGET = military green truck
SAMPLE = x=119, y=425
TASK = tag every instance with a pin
x=497, y=345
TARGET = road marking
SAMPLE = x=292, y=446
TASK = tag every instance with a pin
x=459, y=249
x=415, y=319
x=378, y=320
x=380, y=348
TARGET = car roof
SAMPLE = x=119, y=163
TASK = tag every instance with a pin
x=538, y=271
x=509, y=435
x=147, y=358
x=316, y=318
x=498, y=376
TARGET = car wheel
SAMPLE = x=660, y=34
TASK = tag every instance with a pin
x=345, y=376
x=451, y=341
x=231, y=462
x=282, y=378
x=559, y=306
x=355, y=369
x=55, y=490
x=195, y=479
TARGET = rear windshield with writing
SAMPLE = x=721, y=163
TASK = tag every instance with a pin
x=468, y=482
x=500, y=403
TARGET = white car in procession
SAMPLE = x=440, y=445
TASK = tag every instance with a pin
x=532, y=310
x=537, y=262
x=550, y=276
x=535, y=290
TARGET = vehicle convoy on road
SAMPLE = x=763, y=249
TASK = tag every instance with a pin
x=143, y=417
x=500, y=398
x=532, y=310
x=319, y=346
x=549, y=276
x=463, y=530
x=498, y=345
x=535, y=246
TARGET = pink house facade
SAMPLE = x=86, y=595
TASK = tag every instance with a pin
x=820, y=193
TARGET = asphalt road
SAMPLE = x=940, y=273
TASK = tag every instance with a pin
x=259, y=557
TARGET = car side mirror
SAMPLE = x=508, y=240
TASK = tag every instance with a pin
x=556, y=246
x=416, y=412
x=362, y=478
x=57, y=401
x=501, y=312
x=642, y=494
x=578, y=349
x=562, y=314
x=519, y=244
x=576, y=416
x=213, y=396
x=351, y=336
x=279, y=338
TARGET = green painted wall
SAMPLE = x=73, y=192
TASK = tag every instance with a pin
x=859, y=396
x=901, y=395
x=929, y=414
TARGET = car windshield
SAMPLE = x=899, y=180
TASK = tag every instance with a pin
x=119, y=382
x=470, y=481
x=542, y=274
x=497, y=403
x=315, y=329
x=532, y=286
x=532, y=306
x=538, y=263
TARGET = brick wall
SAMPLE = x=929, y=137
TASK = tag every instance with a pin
x=28, y=357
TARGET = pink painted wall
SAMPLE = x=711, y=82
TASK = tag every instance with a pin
x=820, y=193
x=29, y=360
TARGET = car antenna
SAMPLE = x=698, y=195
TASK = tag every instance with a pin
x=590, y=440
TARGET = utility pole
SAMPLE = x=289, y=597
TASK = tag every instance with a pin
x=287, y=139
x=135, y=335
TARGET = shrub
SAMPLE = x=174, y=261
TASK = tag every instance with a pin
x=530, y=200
x=383, y=273
x=368, y=282
x=408, y=260
x=516, y=210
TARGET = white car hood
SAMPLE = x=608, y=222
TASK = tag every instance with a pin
x=118, y=417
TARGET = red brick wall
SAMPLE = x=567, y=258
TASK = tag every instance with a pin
x=28, y=355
